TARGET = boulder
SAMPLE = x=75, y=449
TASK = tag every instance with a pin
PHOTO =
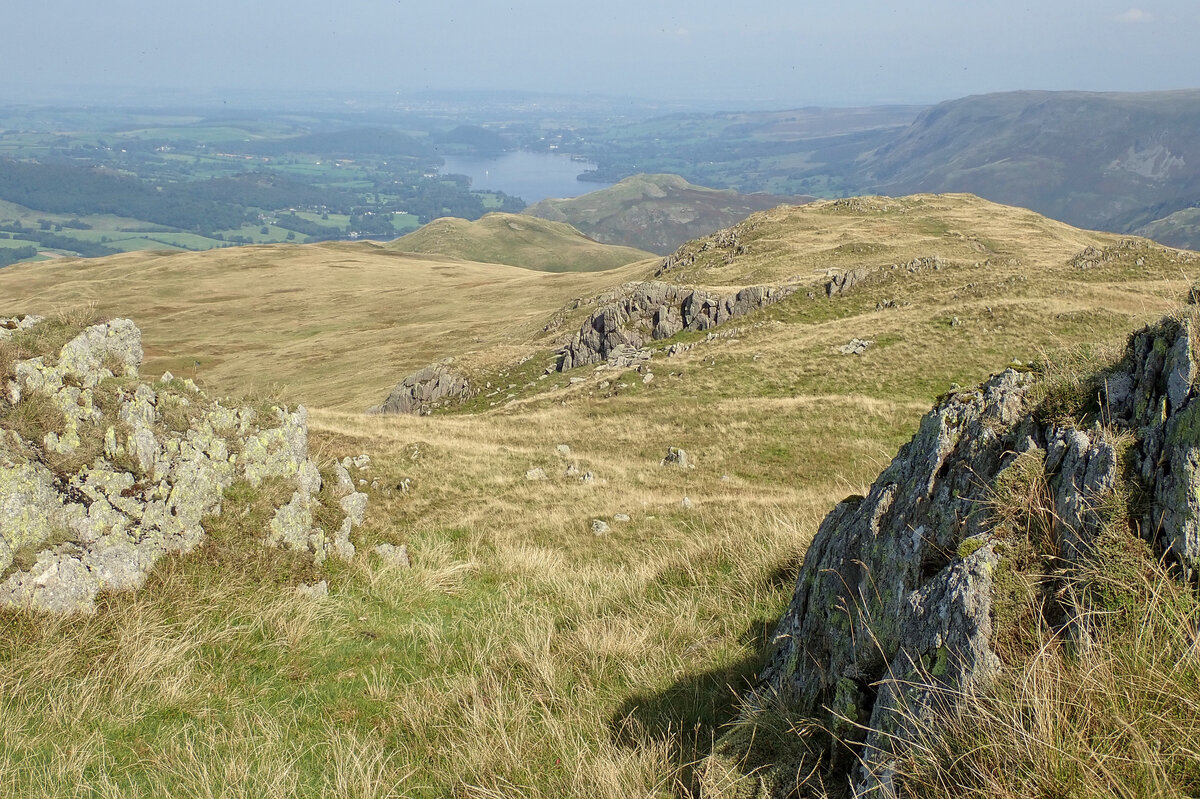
x=423, y=391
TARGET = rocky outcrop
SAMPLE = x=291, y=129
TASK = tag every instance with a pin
x=899, y=605
x=650, y=311
x=424, y=391
x=102, y=475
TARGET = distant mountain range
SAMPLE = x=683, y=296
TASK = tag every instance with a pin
x=1118, y=162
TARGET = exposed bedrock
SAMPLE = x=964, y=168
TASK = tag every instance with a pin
x=895, y=610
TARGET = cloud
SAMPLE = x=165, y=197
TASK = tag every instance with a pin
x=1133, y=15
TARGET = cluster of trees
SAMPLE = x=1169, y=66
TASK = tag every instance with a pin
x=71, y=189
x=10, y=255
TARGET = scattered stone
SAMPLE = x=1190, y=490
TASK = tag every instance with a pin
x=572, y=470
x=621, y=517
x=599, y=527
x=394, y=555
x=342, y=546
x=314, y=591
x=678, y=458
x=576, y=380
x=686, y=504
x=647, y=378
x=14, y=324
x=563, y=451
x=536, y=474
x=857, y=346
x=355, y=507
x=587, y=477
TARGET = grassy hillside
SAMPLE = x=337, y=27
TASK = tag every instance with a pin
x=1111, y=161
x=333, y=325
x=522, y=655
x=654, y=212
x=517, y=240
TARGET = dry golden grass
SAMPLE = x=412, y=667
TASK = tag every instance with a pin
x=520, y=655
x=333, y=325
x=1112, y=713
x=517, y=240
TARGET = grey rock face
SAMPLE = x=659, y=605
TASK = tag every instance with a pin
x=892, y=614
x=106, y=525
x=638, y=313
x=423, y=391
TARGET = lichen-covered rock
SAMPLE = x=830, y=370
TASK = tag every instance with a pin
x=355, y=507
x=895, y=606
x=156, y=475
x=31, y=511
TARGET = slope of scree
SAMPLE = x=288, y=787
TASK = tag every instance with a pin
x=904, y=600
x=102, y=474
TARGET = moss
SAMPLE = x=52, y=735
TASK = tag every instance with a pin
x=941, y=662
x=1184, y=430
x=969, y=546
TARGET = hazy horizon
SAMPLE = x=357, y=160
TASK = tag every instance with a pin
x=701, y=54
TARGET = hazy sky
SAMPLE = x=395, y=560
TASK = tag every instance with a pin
x=759, y=51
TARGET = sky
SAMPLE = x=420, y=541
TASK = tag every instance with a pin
x=759, y=53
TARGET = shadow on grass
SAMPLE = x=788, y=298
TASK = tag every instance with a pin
x=690, y=715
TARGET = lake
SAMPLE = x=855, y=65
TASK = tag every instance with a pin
x=530, y=176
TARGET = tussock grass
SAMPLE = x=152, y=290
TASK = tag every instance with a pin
x=1113, y=713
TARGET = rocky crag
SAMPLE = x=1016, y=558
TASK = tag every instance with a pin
x=909, y=598
x=425, y=390
x=102, y=474
x=638, y=313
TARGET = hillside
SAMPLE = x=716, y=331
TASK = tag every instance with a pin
x=1107, y=161
x=325, y=324
x=1180, y=229
x=581, y=611
x=516, y=240
x=655, y=212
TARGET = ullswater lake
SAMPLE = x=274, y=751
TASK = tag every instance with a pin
x=530, y=176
